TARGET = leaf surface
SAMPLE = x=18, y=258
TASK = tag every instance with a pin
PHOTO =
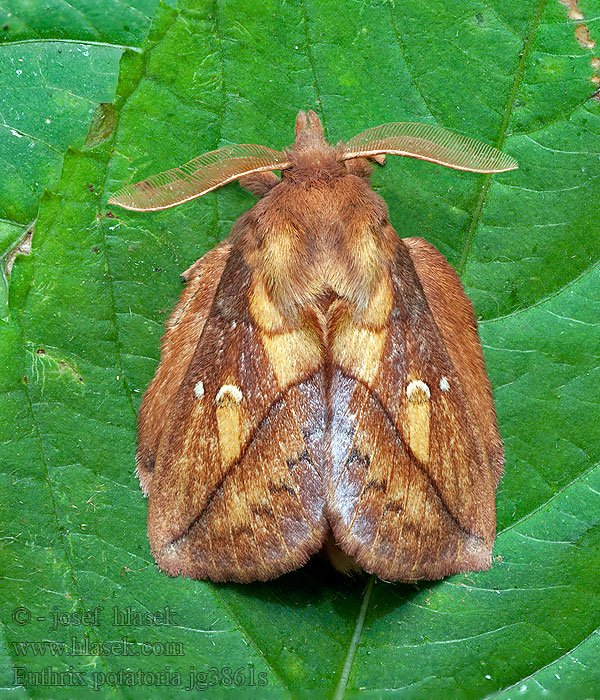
x=88, y=307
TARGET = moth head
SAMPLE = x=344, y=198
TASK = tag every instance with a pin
x=308, y=132
x=310, y=155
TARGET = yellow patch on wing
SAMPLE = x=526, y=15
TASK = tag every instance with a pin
x=418, y=413
x=293, y=352
x=229, y=422
x=358, y=349
x=292, y=355
x=359, y=339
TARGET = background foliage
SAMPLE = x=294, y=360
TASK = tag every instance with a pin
x=86, y=309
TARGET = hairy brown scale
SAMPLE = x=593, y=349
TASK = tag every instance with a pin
x=321, y=383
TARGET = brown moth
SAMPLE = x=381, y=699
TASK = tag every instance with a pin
x=322, y=384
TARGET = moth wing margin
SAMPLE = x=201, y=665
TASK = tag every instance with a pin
x=410, y=493
x=183, y=330
x=453, y=314
x=235, y=494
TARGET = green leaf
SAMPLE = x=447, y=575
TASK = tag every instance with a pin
x=62, y=84
x=14, y=240
x=88, y=308
x=111, y=21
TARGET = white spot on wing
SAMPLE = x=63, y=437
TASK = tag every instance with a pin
x=417, y=387
x=199, y=390
x=444, y=384
x=229, y=391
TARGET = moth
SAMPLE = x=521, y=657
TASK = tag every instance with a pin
x=322, y=384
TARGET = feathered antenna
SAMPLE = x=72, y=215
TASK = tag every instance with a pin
x=429, y=142
x=199, y=176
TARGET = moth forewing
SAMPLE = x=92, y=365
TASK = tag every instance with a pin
x=454, y=317
x=415, y=462
x=321, y=382
x=235, y=495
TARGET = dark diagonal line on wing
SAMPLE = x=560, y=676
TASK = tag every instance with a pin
x=400, y=439
x=274, y=408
